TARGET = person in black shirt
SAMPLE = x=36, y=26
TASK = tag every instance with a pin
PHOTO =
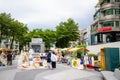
x=49, y=60
x=9, y=58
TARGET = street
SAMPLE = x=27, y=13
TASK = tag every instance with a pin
x=62, y=72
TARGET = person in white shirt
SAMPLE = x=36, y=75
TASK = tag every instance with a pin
x=31, y=51
x=53, y=60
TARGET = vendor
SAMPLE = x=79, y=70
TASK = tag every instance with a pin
x=25, y=59
x=1, y=59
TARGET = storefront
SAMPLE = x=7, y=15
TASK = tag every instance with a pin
x=105, y=35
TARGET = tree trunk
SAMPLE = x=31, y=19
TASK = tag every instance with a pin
x=11, y=45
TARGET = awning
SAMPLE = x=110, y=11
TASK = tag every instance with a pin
x=75, y=49
x=4, y=49
x=64, y=49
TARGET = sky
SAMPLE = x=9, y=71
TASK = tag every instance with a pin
x=47, y=14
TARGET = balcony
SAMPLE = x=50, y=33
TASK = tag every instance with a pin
x=108, y=6
x=116, y=29
x=109, y=17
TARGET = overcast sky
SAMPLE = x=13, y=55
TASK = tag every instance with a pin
x=47, y=14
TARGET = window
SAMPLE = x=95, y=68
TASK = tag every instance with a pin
x=107, y=24
x=108, y=12
x=117, y=23
x=107, y=1
x=117, y=0
x=117, y=11
x=97, y=15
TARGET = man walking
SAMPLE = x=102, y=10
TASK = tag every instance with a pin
x=53, y=59
x=9, y=58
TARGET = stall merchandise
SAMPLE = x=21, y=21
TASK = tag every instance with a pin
x=35, y=63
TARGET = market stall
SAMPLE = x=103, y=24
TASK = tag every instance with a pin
x=26, y=62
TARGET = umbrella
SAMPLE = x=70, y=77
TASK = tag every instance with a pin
x=64, y=49
x=4, y=49
x=75, y=49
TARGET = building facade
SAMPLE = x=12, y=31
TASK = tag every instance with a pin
x=106, y=25
x=6, y=44
x=85, y=36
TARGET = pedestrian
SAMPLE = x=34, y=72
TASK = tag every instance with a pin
x=1, y=59
x=49, y=60
x=86, y=62
x=25, y=60
x=62, y=54
x=9, y=58
x=53, y=60
x=31, y=51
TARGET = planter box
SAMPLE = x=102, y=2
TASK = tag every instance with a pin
x=117, y=74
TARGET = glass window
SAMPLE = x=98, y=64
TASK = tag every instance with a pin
x=117, y=23
x=117, y=11
x=108, y=24
x=97, y=15
x=107, y=1
x=108, y=12
x=117, y=0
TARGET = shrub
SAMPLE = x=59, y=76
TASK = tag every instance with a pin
x=78, y=52
x=94, y=55
x=82, y=45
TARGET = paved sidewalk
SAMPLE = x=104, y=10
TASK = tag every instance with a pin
x=13, y=66
x=62, y=72
x=70, y=74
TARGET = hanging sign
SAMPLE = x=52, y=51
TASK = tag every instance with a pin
x=105, y=29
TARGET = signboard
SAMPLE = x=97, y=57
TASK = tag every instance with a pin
x=37, y=40
x=105, y=29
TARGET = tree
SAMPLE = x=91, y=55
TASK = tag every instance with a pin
x=17, y=32
x=49, y=37
x=5, y=20
x=66, y=32
x=11, y=29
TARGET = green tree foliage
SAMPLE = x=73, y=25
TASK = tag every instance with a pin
x=66, y=32
x=5, y=20
x=16, y=31
x=35, y=33
x=93, y=55
x=82, y=45
x=11, y=28
x=79, y=53
x=48, y=36
x=20, y=33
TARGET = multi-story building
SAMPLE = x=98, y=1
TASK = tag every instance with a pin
x=6, y=44
x=106, y=25
x=84, y=36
